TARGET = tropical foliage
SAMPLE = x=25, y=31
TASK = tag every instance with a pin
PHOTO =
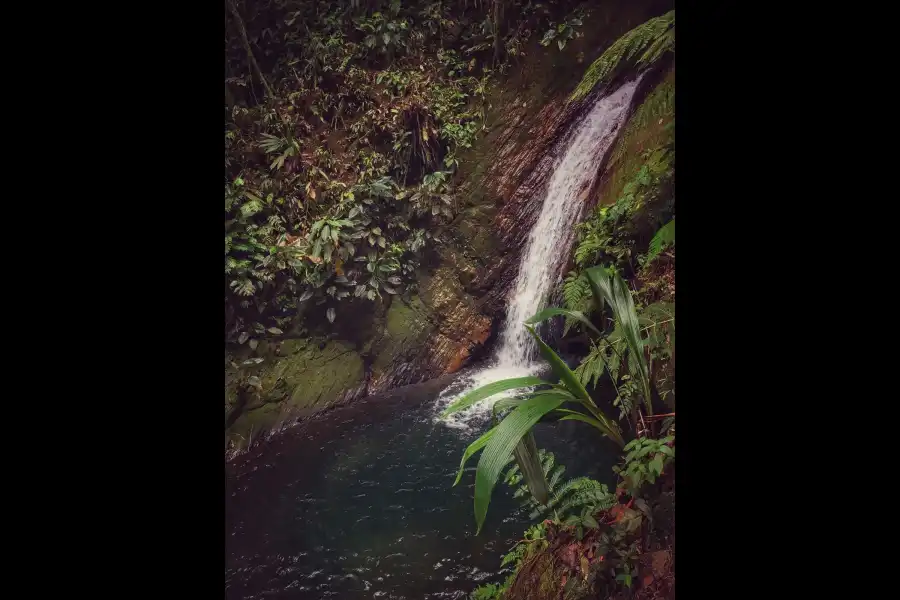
x=613, y=233
x=627, y=347
x=571, y=501
x=567, y=30
x=640, y=48
x=629, y=338
x=345, y=122
x=511, y=436
x=646, y=460
x=664, y=238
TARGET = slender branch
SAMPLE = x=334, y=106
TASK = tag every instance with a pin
x=655, y=324
x=657, y=417
x=643, y=424
x=243, y=32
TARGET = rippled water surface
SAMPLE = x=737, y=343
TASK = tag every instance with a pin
x=358, y=504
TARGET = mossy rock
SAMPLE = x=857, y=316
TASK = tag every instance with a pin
x=292, y=346
x=407, y=325
x=230, y=395
x=254, y=422
x=648, y=128
x=302, y=381
x=442, y=291
x=475, y=229
x=314, y=376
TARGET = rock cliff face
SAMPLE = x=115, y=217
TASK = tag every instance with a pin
x=461, y=298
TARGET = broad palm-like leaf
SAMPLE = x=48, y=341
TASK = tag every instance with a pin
x=512, y=437
x=472, y=449
x=565, y=374
x=528, y=459
x=574, y=416
x=501, y=444
x=612, y=289
x=577, y=389
x=490, y=389
x=553, y=312
x=508, y=403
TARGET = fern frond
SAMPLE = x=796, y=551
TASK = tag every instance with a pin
x=512, y=474
x=656, y=312
x=652, y=39
x=554, y=477
x=598, y=499
x=547, y=462
x=664, y=237
x=559, y=496
x=243, y=287
x=250, y=208
x=271, y=143
x=513, y=557
x=587, y=250
x=592, y=366
x=577, y=297
x=658, y=47
x=572, y=495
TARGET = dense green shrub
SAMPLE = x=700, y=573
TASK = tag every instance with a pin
x=344, y=123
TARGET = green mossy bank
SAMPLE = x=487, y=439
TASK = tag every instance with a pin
x=297, y=377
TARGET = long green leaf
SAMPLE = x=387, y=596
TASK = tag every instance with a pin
x=561, y=393
x=508, y=403
x=505, y=404
x=664, y=237
x=499, y=448
x=575, y=387
x=609, y=423
x=553, y=312
x=567, y=411
x=489, y=390
x=604, y=429
x=616, y=293
x=529, y=461
x=607, y=426
x=555, y=391
x=472, y=449
x=569, y=379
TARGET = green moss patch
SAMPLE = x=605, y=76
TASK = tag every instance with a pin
x=649, y=128
x=304, y=379
x=406, y=327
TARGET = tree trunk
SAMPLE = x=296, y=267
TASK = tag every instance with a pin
x=229, y=98
x=242, y=30
x=498, y=39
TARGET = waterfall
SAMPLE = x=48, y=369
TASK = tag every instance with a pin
x=547, y=248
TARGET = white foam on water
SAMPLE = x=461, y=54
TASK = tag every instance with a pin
x=474, y=416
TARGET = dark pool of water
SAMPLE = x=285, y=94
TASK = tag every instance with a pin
x=358, y=503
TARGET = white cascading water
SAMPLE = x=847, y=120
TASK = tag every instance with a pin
x=545, y=252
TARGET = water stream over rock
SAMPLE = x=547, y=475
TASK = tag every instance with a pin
x=547, y=248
